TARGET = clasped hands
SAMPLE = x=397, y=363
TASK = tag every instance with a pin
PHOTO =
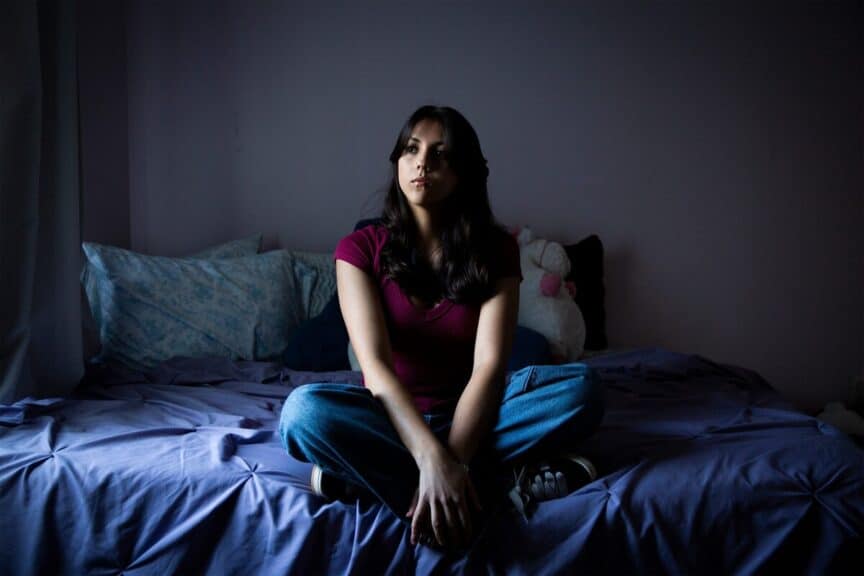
x=441, y=511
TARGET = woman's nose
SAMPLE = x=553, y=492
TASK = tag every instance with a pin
x=425, y=161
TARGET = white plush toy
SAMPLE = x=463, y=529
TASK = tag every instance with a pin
x=546, y=302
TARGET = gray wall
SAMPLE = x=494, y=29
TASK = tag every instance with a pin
x=103, y=130
x=103, y=136
x=715, y=148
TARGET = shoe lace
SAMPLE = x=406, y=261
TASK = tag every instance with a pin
x=536, y=485
x=519, y=494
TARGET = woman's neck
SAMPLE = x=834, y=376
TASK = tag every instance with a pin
x=428, y=233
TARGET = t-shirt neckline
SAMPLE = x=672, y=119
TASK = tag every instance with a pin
x=432, y=313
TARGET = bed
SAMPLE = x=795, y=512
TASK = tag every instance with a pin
x=176, y=468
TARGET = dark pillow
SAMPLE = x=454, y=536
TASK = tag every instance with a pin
x=319, y=344
x=529, y=347
x=586, y=272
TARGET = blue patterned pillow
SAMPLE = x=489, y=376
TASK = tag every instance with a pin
x=315, y=273
x=150, y=308
x=233, y=249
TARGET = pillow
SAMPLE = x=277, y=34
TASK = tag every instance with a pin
x=586, y=272
x=233, y=249
x=319, y=344
x=529, y=348
x=150, y=308
x=315, y=273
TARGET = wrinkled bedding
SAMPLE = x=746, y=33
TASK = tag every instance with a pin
x=703, y=469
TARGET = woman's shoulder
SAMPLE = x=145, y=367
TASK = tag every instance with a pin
x=375, y=230
x=373, y=235
x=362, y=246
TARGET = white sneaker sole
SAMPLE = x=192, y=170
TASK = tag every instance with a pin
x=586, y=464
x=315, y=480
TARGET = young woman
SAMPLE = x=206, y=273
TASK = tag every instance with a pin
x=430, y=299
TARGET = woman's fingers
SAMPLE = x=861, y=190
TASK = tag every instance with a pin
x=420, y=514
x=437, y=523
x=464, y=522
x=455, y=528
x=413, y=506
x=414, y=531
x=443, y=507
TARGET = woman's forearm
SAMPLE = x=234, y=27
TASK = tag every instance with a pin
x=478, y=404
x=475, y=413
x=409, y=424
x=367, y=329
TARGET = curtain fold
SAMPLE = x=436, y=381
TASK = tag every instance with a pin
x=40, y=237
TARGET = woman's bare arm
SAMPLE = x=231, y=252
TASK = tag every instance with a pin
x=478, y=405
x=364, y=319
x=444, y=493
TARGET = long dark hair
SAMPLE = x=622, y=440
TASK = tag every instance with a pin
x=468, y=227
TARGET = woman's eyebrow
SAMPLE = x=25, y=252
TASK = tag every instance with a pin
x=412, y=138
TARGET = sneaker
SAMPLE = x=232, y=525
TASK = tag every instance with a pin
x=330, y=487
x=549, y=479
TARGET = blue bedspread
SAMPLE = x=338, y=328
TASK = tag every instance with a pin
x=180, y=471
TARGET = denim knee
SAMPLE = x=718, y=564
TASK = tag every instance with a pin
x=578, y=392
x=301, y=418
x=586, y=398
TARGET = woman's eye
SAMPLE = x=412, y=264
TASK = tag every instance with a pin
x=411, y=149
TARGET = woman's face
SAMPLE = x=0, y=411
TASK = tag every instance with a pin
x=425, y=176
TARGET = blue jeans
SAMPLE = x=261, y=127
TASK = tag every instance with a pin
x=545, y=410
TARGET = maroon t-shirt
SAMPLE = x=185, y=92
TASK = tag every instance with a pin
x=433, y=348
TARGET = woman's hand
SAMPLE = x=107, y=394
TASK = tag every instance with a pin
x=443, y=502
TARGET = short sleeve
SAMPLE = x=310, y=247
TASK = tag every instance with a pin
x=359, y=248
